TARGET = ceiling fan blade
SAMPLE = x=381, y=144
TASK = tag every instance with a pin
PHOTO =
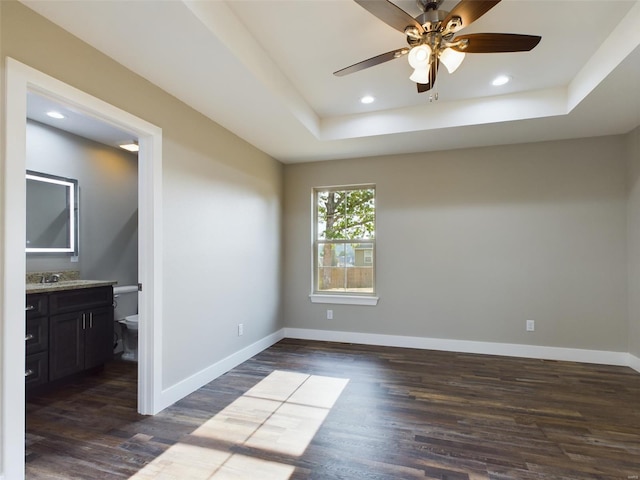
x=497, y=42
x=390, y=14
x=469, y=11
x=372, y=62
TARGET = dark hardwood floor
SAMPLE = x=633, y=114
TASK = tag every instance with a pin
x=325, y=411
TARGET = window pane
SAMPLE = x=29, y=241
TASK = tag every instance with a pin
x=321, y=213
x=359, y=274
x=345, y=214
x=359, y=217
x=342, y=268
x=329, y=276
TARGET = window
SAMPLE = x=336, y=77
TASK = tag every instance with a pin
x=344, y=241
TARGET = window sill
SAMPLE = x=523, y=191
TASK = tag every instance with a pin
x=344, y=299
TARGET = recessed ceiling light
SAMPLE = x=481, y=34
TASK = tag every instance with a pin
x=132, y=147
x=501, y=80
x=367, y=99
x=54, y=114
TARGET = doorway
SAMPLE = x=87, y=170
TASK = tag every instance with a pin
x=21, y=80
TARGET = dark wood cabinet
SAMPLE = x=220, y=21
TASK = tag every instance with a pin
x=66, y=352
x=76, y=335
x=37, y=335
x=97, y=351
x=79, y=341
x=80, y=299
x=37, y=305
x=36, y=371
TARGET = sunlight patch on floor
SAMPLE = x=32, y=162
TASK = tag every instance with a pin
x=242, y=467
x=297, y=418
x=184, y=461
x=281, y=414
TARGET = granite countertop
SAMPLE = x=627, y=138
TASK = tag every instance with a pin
x=66, y=285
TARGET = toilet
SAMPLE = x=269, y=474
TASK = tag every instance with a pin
x=126, y=314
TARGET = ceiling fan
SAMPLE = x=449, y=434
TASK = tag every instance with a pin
x=432, y=40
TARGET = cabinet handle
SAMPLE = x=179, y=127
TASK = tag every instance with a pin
x=84, y=320
x=29, y=308
x=90, y=319
x=28, y=336
x=28, y=373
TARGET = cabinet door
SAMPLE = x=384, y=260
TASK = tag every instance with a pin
x=66, y=344
x=98, y=337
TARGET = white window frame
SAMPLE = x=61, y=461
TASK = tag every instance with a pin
x=343, y=298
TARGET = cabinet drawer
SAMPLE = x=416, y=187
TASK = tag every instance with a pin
x=36, y=305
x=81, y=299
x=37, y=335
x=36, y=369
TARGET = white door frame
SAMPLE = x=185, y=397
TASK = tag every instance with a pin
x=21, y=79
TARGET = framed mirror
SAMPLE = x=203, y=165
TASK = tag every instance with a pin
x=52, y=214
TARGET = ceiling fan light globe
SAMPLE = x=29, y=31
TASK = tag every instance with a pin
x=419, y=56
x=420, y=75
x=451, y=59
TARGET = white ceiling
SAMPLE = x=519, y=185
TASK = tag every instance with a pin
x=263, y=69
x=75, y=121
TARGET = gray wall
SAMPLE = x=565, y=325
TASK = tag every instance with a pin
x=108, y=198
x=222, y=202
x=471, y=243
x=633, y=216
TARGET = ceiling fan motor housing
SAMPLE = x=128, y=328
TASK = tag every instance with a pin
x=425, y=5
x=431, y=19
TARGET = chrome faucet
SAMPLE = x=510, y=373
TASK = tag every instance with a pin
x=53, y=278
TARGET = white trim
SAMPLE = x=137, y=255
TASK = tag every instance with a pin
x=13, y=288
x=464, y=346
x=20, y=79
x=344, y=299
x=201, y=378
x=150, y=271
x=634, y=362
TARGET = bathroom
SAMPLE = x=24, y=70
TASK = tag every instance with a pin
x=107, y=220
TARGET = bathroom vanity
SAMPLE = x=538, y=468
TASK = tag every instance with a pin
x=69, y=329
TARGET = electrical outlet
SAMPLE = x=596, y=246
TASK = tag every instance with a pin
x=329, y=314
x=240, y=329
x=531, y=325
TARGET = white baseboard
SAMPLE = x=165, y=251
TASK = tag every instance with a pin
x=634, y=362
x=196, y=381
x=466, y=346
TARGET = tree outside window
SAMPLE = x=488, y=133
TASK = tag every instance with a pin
x=344, y=240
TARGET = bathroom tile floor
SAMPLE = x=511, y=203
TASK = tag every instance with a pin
x=328, y=411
